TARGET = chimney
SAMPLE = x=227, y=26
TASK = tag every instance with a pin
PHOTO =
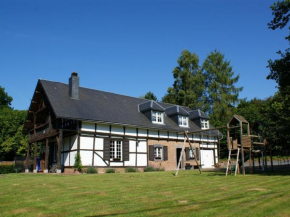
x=74, y=81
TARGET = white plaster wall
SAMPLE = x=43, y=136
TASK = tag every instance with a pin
x=97, y=160
x=181, y=136
x=72, y=157
x=103, y=128
x=142, y=160
x=99, y=144
x=153, y=133
x=196, y=137
x=130, y=131
x=116, y=164
x=117, y=130
x=65, y=160
x=132, y=160
x=74, y=140
x=142, y=146
x=163, y=134
x=86, y=142
x=86, y=157
x=132, y=146
x=142, y=132
x=88, y=126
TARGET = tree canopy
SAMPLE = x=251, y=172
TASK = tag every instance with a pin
x=5, y=99
x=12, y=141
x=188, y=87
x=149, y=95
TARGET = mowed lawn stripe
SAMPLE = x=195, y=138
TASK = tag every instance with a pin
x=145, y=194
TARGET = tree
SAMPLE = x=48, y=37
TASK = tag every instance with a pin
x=5, y=99
x=12, y=141
x=149, y=95
x=221, y=93
x=188, y=86
x=280, y=68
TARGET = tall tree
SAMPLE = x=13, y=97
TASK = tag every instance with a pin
x=188, y=86
x=5, y=99
x=280, y=68
x=221, y=93
x=149, y=95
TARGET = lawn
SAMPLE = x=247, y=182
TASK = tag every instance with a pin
x=145, y=194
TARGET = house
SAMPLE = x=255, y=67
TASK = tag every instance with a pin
x=112, y=131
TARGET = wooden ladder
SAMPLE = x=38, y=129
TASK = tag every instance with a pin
x=229, y=163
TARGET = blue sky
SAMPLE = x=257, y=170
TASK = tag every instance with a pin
x=130, y=47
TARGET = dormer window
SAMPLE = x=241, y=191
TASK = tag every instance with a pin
x=182, y=121
x=157, y=117
x=204, y=124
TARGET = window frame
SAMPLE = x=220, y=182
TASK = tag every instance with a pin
x=160, y=148
x=117, y=151
x=204, y=124
x=157, y=115
x=182, y=117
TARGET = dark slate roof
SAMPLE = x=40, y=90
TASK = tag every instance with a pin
x=150, y=105
x=195, y=114
x=100, y=106
x=176, y=110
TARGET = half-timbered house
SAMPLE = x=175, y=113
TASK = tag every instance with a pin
x=111, y=130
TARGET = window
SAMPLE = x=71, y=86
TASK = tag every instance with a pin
x=204, y=124
x=115, y=150
x=157, y=117
x=191, y=155
x=182, y=121
x=158, y=153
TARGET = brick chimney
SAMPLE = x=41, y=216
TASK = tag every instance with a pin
x=74, y=82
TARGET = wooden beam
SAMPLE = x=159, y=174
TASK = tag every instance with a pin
x=27, y=159
x=46, y=155
x=35, y=157
x=59, y=147
x=34, y=102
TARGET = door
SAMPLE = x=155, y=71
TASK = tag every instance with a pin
x=207, y=158
x=178, y=153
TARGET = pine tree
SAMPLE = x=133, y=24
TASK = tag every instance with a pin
x=221, y=93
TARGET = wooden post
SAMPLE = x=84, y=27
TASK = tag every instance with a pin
x=27, y=159
x=46, y=156
x=242, y=148
x=35, y=157
x=59, y=147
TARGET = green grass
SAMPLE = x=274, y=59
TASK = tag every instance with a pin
x=145, y=194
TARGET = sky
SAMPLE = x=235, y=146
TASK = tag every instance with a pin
x=131, y=47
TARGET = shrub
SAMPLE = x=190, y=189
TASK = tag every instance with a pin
x=152, y=169
x=91, y=170
x=148, y=169
x=110, y=170
x=78, y=162
x=130, y=170
x=4, y=169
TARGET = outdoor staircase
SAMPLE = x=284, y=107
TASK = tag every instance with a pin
x=233, y=167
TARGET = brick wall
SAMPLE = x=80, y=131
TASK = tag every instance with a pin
x=171, y=163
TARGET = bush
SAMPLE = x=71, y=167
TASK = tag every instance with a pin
x=148, y=169
x=91, y=170
x=130, y=170
x=152, y=169
x=4, y=169
x=110, y=170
